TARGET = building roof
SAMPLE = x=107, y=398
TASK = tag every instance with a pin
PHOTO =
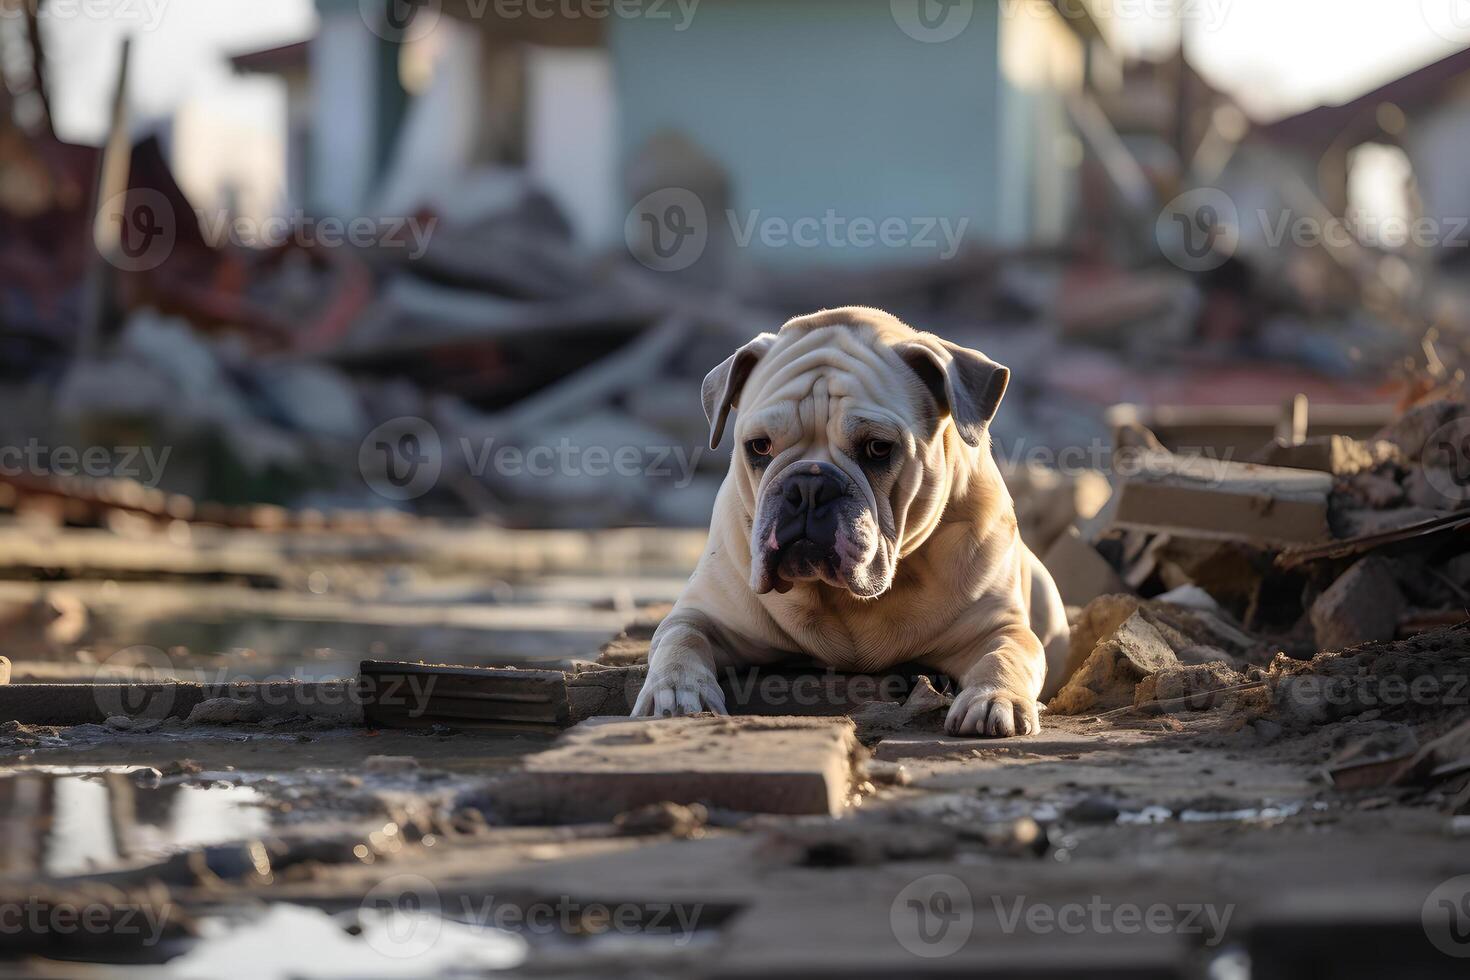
x=273, y=61
x=1358, y=118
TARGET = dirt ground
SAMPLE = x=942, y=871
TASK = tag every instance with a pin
x=1179, y=843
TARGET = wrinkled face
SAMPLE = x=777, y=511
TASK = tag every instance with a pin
x=840, y=463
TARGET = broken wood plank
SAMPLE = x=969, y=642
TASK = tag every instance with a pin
x=1418, y=532
x=405, y=695
x=1196, y=496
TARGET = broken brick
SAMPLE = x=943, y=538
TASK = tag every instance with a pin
x=1116, y=666
x=1362, y=606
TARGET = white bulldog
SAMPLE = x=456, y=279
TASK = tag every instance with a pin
x=863, y=524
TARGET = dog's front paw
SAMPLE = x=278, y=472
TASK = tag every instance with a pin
x=988, y=711
x=679, y=688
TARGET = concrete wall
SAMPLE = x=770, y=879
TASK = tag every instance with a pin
x=1438, y=144
x=571, y=138
x=826, y=105
x=1041, y=60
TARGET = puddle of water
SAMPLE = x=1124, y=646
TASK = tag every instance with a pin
x=1253, y=814
x=65, y=823
x=1268, y=813
x=288, y=942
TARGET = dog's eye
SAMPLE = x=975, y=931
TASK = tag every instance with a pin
x=878, y=449
x=759, y=447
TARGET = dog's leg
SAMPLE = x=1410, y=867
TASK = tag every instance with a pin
x=681, y=668
x=999, y=680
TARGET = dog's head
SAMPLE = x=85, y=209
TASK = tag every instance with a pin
x=845, y=443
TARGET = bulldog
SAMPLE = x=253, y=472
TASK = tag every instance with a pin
x=864, y=524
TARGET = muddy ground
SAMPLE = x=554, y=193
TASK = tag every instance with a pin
x=1182, y=843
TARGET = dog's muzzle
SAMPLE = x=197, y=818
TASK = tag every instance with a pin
x=801, y=542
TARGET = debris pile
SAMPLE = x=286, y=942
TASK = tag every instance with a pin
x=550, y=385
x=1325, y=584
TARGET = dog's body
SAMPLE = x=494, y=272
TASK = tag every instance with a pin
x=864, y=524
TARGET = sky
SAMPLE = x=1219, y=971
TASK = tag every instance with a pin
x=1276, y=56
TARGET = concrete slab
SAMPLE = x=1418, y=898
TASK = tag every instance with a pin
x=606, y=766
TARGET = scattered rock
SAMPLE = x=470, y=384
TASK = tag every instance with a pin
x=1336, y=454
x=885, y=773
x=1190, y=597
x=390, y=764
x=842, y=844
x=1094, y=809
x=1412, y=430
x=663, y=818
x=1198, y=687
x=1117, y=664
x=924, y=708
x=226, y=711
x=1362, y=606
x=1376, y=491
x=1400, y=680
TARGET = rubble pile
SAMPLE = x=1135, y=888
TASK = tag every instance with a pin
x=552, y=385
x=1345, y=601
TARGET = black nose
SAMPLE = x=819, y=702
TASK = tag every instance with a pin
x=809, y=497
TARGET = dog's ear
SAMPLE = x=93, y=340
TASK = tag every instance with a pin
x=966, y=382
x=722, y=385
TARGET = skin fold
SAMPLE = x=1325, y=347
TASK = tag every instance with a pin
x=863, y=524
